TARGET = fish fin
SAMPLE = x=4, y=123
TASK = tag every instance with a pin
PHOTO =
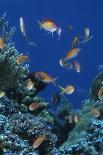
x=55, y=78
x=54, y=83
x=59, y=30
x=39, y=23
x=32, y=44
x=86, y=40
x=62, y=89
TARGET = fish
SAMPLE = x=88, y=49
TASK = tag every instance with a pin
x=72, y=53
x=24, y=33
x=33, y=106
x=50, y=26
x=21, y=59
x=75, y=41
x=69, y=89
x=45, y=77
x=71, y=118
x=65, y=64
x=2, y=94
x=77, y=118
x=87, y=32
x=22, y=28
x=38, y=141
x=77, y=66
x=87, y=36
x=39, y=85
x=1, y=43
x=95, y=112
x=56, y=98
x=30, y=84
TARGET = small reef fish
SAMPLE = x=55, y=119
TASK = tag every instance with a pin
x=87, y=36
x=77, y=118
x=45, y=77
x=21, y=59
x=38, y=141
x=72, y=53
x=30, y=84
x=39, y=85
x=50, y=26
x=33, y=106
x=23, y=31
x=77, y=66
x=69, y=89
x=56, y=98
x=63, y=63
x=22, y=27
x=1, y=43
x=71, y=118
x=95, y=112
x=2, y=94
x=75, y=41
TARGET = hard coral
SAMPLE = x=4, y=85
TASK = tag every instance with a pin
x=30, y=127
x=96, y=85
x=11, y=73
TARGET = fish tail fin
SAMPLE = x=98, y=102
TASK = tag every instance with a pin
x=54, y=81
x=59, y=30
x=39, y=23
x=62, y=89
x=32, y=44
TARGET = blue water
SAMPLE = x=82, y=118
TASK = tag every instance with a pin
x=45, y=57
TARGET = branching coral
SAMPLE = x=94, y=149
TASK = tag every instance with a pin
x=8, y=107
x=11, y=73
x=96, y=85
x=4, y=27
x=87, y=133
x=30, y=127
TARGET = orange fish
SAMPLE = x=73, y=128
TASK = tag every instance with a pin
x=77, y=67
x=72, y=53
x=69, y=89
x=45, y=77
x=21, y=59
x=33, y=106
x=50, y=26
x=30, y=84
x=38, y=141
x=1, y=43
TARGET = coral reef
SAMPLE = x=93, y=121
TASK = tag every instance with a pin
x=87, y=136
x=25, y=116
x=11, y=73
x=96, y=85
x=19, y=130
